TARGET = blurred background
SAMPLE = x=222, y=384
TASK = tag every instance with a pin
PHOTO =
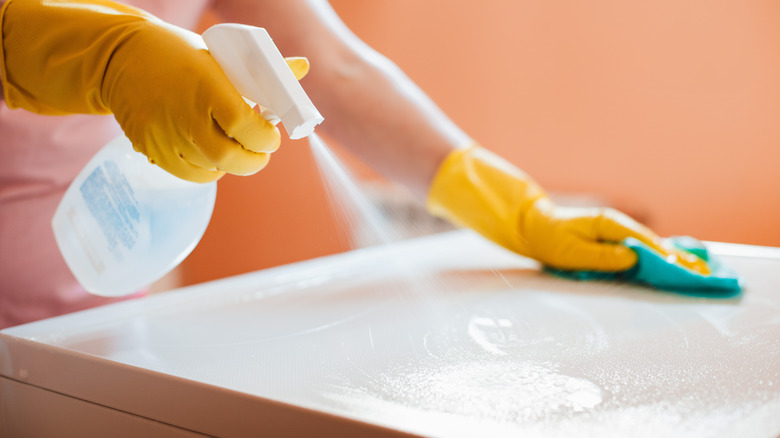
x=667, y=110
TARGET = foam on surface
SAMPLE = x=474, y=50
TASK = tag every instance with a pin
x=493, y=347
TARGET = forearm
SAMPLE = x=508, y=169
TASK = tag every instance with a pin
x=385, y=119
x=370, y=106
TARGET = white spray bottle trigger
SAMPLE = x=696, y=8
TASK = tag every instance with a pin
x=254, y=65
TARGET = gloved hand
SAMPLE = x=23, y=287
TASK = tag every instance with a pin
x=169, y=95
x=477, y=189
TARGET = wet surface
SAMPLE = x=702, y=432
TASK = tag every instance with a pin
x=452, y=336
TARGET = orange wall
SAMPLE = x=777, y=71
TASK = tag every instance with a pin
x=669, y=109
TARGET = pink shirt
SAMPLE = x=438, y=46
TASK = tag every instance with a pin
x=39, y=157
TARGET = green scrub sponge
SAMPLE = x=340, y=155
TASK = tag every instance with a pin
x=653, y=270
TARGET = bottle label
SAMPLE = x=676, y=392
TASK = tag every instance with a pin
x=113, y=204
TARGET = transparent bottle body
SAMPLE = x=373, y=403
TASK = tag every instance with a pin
x=124, y=223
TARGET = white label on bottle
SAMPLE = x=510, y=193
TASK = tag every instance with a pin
x=112, y=203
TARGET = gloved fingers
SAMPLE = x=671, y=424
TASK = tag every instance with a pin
x=189, y=172
x=226, y=153
x=193, y=155
x=299, y=66
x=572, y=238
x=614, y=226
x=231, y=113
x=684, y=258
x=594, y=256
x=175, y=155
x=241, y=123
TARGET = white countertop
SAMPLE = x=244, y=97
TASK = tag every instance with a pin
x=447, y=335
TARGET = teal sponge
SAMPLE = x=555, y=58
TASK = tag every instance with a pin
x=652, y=269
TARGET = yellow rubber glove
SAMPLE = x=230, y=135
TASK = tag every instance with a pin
x=169, y=95
x=474, y=188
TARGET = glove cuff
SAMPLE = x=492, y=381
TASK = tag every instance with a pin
x=477, y=189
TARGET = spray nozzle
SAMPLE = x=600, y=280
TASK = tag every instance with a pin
x=257, y=69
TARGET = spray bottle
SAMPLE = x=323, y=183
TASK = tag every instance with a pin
x=124, y=223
